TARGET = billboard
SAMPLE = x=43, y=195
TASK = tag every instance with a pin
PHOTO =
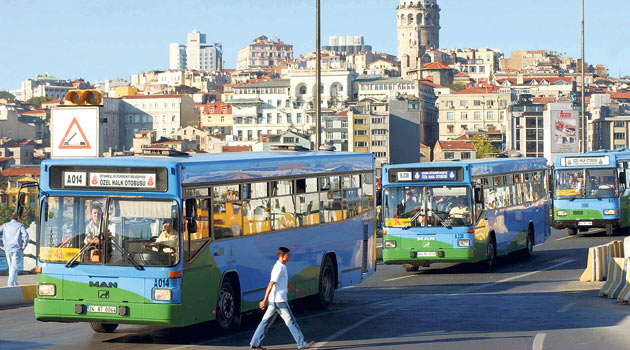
x=565, y=136
x=74, y=132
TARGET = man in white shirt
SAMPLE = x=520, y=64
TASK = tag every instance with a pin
x=93, y=227
x=276, y=297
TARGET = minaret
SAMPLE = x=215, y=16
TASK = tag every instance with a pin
x=418, y=30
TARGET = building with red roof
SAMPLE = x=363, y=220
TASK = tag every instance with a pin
x=453, y=150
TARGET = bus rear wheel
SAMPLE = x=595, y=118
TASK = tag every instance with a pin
x=227, y=305
x=101, y=327
x=491, y=253
x=326, y=289
x=529, y=248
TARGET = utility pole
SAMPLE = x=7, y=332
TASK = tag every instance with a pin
x=318, y=73
x=584, y=142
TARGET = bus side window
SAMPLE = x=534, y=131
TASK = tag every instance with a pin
x=307, y=201
x=194, y=241
x=330, y=199
x=367, y=193
x=227, y=212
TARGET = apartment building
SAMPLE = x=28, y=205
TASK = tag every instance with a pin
x=163, y=113
x=611, y=132
x=263, y=53
x=471, y=110
x=216, y=117
x=197, y=54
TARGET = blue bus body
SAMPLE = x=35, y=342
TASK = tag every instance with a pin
x=505, y=202
x=342, y=232
x=590, y=191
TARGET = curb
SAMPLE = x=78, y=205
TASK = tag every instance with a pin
x=11, y=296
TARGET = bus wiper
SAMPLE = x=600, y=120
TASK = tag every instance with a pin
x=440, y=220
x=125, y=253
x=76, y=256
x=413, y=218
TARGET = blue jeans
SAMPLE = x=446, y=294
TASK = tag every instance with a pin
x=273, y=310
x=13, y=260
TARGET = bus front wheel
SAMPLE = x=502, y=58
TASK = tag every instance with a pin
x=571, y=231
x=227, y=305
x=101, y=327
x=411, y=268
x=326, y=283
x=529, y=248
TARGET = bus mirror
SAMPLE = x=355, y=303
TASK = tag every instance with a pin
x=191, y=225
x=191, y=208
x=478, y=196
x=19, y=206
x=45, y=209
x=622, y=178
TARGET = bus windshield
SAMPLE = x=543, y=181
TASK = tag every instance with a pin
x=135, y=232
x=586, y=183
x=434, y=206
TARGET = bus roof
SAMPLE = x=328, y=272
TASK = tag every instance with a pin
x=600, y=158
x=478, y=167
x=202, y=168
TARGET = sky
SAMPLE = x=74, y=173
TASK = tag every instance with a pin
x=106, y=39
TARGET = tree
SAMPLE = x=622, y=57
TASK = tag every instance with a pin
x=6, y=94
x=456, y=87
x=37, y=101
x=483, y=147
x=28, y=216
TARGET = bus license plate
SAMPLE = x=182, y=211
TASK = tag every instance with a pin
x=421, y=254
x=585, y=223
x=102, y=309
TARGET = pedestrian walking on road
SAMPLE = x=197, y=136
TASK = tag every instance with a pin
x=14, y=241
x=278, y=304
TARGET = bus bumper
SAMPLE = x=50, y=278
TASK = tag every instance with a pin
x=56, y=310
x=575, y=224
x=396, y=256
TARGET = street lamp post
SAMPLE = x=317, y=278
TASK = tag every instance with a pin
x=318, y=73
x=584, y=142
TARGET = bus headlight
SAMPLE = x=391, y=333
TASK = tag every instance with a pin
x=162, y=294
x=463, y=242
x=609, y=212
x=390, y=244
x=46, y=289
x=562, y=213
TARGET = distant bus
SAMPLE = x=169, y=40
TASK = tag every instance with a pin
x=590, y=191
x=186, y=239
x=468, y=212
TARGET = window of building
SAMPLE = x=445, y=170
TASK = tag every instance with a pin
x=360, y=132
x=477, y=116
x=490, y=115
x=450, y=129
x=463, y=103
x=449, y=104
x=450, y=115
x=477, y=102
x=298, y=118
x=464, y=116
x=620, y=136
x=465, y=155
x=449, y=155
x=344, y=123
x=279, y=119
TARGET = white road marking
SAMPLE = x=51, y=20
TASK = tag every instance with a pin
x=567, y=237
x=460, y=292
x=539, y=340
x=398, y=278
x=566, y=307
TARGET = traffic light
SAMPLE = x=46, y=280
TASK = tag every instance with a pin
x=84, y=97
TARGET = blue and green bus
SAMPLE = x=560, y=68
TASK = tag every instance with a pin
x=590, y=191
x=179, y=240
x=454, y=212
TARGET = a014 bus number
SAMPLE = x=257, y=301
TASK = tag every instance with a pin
x=161, y=282
x=74, y=179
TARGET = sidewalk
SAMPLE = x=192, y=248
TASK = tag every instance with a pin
x=24, y=293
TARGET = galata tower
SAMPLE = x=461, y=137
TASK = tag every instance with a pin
x=418, y=30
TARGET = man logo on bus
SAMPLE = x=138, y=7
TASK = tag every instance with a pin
x=104, y=284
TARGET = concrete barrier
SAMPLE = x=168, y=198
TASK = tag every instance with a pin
x=599, y=259
x=624, y=293
x=626, y=243
x=616, y=278
x=10, y=296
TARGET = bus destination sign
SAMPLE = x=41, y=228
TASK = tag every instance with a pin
x=109, y=180
x=441, y=175
x=586, y=161
x=430, y=174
